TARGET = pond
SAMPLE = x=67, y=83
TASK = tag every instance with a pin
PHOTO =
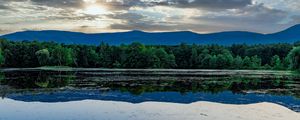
x=66, y=93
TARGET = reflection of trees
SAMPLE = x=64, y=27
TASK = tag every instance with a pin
x=3, y=91
x=236, y=85
x=57, y=79
x=2, y=88
x=296, y=93
x=37, y=79
x=2, y=77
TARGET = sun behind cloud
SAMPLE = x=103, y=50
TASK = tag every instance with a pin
x=95, y=10
x=90, y=1
x=91, y=8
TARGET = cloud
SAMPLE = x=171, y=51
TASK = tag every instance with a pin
x=254, y=18
x=198, y=4
x=59, y=3
x=4, y=7
x=127, y=16
x=295, y=19
x=136, y=21
x=126, y=4
x=152, y=15
x=4, y=31
x=71, y=16
x=255, y=13
x=206, y=4
x=257, y=17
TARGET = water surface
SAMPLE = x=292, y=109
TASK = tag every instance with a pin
x=55, y=89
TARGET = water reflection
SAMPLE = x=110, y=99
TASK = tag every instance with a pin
x=36, y=79
x=64, y=86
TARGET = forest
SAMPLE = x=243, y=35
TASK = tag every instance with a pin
x=25, y=54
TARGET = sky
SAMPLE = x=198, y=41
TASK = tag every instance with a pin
x=201, y=16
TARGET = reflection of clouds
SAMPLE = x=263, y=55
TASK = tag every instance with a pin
x=150, y=15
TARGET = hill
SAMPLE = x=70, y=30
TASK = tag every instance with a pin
x=289, y=35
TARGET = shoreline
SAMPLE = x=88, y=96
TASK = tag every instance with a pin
x=140, y=69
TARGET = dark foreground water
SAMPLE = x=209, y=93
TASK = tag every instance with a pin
x=56, y=89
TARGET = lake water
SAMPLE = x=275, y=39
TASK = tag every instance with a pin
x=67, y=94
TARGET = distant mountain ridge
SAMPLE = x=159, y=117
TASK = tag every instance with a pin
x=289, y=35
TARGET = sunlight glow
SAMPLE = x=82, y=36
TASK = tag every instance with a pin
x=89, y=1
x=95, y=10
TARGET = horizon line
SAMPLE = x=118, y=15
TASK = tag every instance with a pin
x=145, y=31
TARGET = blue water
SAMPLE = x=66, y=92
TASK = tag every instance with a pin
x=226, y=97
x=55, y=95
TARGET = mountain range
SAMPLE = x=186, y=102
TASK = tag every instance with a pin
x=289, y=35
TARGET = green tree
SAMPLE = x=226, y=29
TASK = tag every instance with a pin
x=136, y=56
x=229, y=59
x=87, y=57
x=221, y=61
x=247, y=62
x=194, y=61
x=203, y=58
x=213, y=62
x=62, y=56
x=237, y=63
x=276, y=63
x=255, y=62
x=171, y=63
x=166, y=60
x=286, y=63
x=183, y=54
x=105, y=58
x=43, y=56
x=294, y=58
x=117, y=64
x=267, y=67
x=1, y=58
x=149, y=59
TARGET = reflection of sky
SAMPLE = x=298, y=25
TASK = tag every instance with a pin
x=170, y=97
x=203, y=16
x=112, y=110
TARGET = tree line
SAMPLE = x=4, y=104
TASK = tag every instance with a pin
x=136, y=55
